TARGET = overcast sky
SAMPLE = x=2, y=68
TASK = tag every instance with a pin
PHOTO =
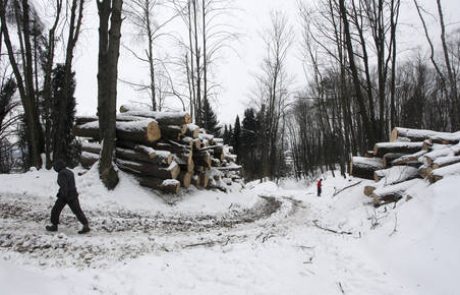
x=235, y=73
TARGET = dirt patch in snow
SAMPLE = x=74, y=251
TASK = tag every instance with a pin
x=123, y=234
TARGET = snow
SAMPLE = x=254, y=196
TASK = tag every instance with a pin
x=387, y=145
x=442, y=161
x=157, y=115
x=428, y=134
x=398, y=188
x=448, y=170
x=447, y=151
x=123, y=126
x=267, y=238
x=192, y=127
x=171, y=182
x=376, y=163
x=397, y=174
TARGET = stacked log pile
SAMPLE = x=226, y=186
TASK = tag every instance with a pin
x=163, y=150
x=411, y=156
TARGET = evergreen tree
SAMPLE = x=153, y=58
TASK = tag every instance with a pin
x=248, y=146
x=209, y=119
x=225, y=135
x=237, y=138
x=62, y=123
x=230, y=135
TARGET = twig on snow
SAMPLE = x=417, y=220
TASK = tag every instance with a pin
x=395, y=229
x=315, y=222
x=345, y=188
x=341, y=288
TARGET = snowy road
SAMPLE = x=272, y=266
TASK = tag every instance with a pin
x=262, y=240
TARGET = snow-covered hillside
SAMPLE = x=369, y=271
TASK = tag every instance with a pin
x=263, y=239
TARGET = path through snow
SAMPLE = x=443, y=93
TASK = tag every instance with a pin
x=262, y=240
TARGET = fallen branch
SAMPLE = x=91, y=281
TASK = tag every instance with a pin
x=345, y=188
x=315, y=222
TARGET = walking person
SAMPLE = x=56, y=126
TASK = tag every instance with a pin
x=67, y=195
x=319, y=185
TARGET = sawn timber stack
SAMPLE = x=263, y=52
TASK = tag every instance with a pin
x=162, y=150
x=411, y=156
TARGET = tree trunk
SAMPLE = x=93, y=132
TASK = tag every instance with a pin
x=109, y=46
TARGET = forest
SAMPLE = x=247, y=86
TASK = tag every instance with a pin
x=358, y=84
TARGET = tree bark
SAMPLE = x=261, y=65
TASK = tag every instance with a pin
x=109, y=47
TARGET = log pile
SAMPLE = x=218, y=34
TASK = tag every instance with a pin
x=410, y=156
x=163, y=150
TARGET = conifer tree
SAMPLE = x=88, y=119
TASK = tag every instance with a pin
x=225, y=135
x=248, y=146
x=209, y=119
x=62, y=123
x=236, y=143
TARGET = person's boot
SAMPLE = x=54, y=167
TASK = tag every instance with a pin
x=84, y=230
x=51, y=227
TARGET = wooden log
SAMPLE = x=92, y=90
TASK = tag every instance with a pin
x=202, y=159
x=146, y=131
x=369, y=189
x=164, y=118
x=440, y=173
x=219, y=152
x=168, y=186
x=410, y=158
x=91, y=147
x=185, y=178
x=80, y=120
x=447, y=151
x=215, y=162
x=145, y=169
x=365, y=167
x=369, y=154
x=172, y=146
x=203, y=180
x=396, y=174
x=209, y=138
x=421, y=135
x=185, y=161
x=172, y=132
x=383, y=148
x=192, y=131
x=392, y=193
x=390, y=157
x=88, y=159
x=134, y=152
x=193, y=143
x=425, y=171
x=445, y=161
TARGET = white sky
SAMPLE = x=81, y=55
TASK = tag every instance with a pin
x=236, y=72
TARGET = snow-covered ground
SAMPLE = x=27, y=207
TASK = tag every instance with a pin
x=263, y=239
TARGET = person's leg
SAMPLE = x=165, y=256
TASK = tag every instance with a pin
x=76, y=209
x=56, y=211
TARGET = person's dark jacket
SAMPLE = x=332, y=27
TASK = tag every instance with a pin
x=66, y=181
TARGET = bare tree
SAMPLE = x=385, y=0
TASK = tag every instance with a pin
x=273, y=88
x=63, y=125
x=47, y=72
x=21, y=11
x=142, y=14
x=109, y=49
x=448, y=76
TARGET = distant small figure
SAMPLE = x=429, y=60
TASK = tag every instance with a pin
x=67, y=195
x=319, y=185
